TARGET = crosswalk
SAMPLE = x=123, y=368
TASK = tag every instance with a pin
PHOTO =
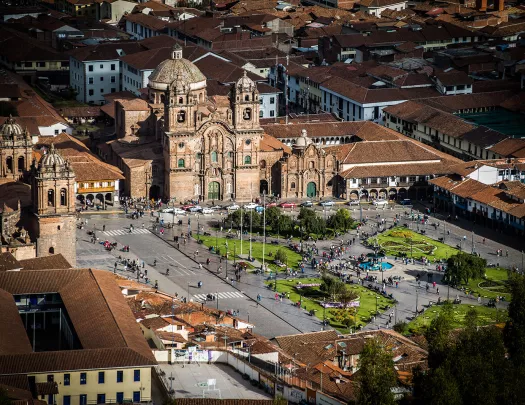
x=222, y=295
x=175, y=266
x=118, y=232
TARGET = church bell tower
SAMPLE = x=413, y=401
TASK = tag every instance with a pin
x=53, y=188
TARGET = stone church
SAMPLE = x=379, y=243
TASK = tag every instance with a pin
x=183, y=144
x=37, y=198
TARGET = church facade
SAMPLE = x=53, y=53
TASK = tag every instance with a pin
x=192, y=146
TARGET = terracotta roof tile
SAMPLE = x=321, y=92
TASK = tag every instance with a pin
x=45, y=263
x=8, y=262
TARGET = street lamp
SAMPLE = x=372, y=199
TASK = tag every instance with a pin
x=217, y=298
x=198, y=228
x=217, y=240
x=226, y=244
x=234, y=252
x=377, y=299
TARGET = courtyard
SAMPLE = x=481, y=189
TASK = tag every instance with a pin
x=190, y=381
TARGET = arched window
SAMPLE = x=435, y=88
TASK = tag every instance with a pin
x=162, y=98
x=181, y=163
x=63, y=196
x=312, y=165
x=21, y=164
x=214, y=157
x=181, y=100
x=246, y=97
x=181, y=116
x=292, y=185
x=262, y=164
x=9, y=164
x=247, y=115
x=52, y=250
x=248, y=160
x=51, y=198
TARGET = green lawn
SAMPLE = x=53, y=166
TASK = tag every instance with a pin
x=401, y=240
x=486, y=316
x=257, y=251
x=493, y=285
x=312, y=296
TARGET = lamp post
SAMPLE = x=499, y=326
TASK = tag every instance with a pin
x=234, y=252
x=217, y=240
x=226, y=244
x=377, y=299
x=217, y=298
x=198, y=228
x=324, y=312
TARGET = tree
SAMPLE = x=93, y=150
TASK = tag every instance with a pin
x=273, y=215
x=377, y=376
x=346, y=296
x=284, y=224
x=515, y=327
x=332, y=286
x=341, y=220
x=437, y=336
x=463, y=266
x=281, y=255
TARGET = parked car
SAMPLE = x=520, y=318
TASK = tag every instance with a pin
x=187, y=207
x=327, y=203
x=259, y=209
x=250, y=206
x=178, y=211
x=406, y=201
x=207, y=211
x=353, y=202
x=307, y=204
x=233, y=207
x=271, y=204
x=287, y=205
x=380, y=203
x=195, y=208
x=167, y=210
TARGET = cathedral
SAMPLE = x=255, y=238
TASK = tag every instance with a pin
x=183, y=144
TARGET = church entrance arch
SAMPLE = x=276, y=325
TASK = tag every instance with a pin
x=263, y=188
x=154, y=192
x=311, y=190
x=214, y=191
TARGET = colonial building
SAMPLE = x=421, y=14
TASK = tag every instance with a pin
x=187, y=145
x=308, y=171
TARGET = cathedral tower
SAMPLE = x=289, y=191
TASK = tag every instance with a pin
x=246, y=104
x=53, y=191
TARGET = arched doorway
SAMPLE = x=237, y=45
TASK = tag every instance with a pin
x=311, y=190
x=214, y=191
x=263, y=188
x=154, y=192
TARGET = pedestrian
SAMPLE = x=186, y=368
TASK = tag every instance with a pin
x=104, y=228
x=437, y=291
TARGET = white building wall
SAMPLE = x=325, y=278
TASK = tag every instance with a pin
x=55, y=129
x=269, y=105
x=98, y=78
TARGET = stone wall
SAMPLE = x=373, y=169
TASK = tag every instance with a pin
x=57, y=234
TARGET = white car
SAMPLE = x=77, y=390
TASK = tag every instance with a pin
x=195, y=208
x=327, y=203
x=250, y=206
x=178, y=211
x=380, y=203
x=167, y=210
x=207, y=211
x=353, y=202
x=233, y=207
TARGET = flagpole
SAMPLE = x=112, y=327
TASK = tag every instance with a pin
x=242, y=220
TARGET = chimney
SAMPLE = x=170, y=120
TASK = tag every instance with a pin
x=501, y=5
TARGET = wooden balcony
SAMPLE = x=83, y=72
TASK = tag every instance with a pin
x=95, y=190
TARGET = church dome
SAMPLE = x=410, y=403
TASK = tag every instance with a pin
x=245, y=83
x=11, y=128
x=177, y=69
x=303, y=141
x=52, y=158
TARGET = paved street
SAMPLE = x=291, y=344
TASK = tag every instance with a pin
x=271, y=317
